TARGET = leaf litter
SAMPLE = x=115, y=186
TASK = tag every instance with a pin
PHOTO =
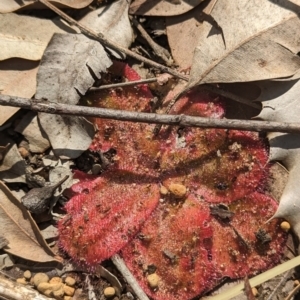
x=218, y=191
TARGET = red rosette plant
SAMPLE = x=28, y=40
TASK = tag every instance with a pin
x=187, y=204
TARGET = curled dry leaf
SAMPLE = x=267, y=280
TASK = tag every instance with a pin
x=20, y=230
x=11, y=5
x=162, y=8
x=113, y=22
x=66, y=72
x=264, y=40
x=27, y=37
x=176, y=238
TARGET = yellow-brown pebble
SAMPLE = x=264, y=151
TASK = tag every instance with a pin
x=27, y=274
x=23, y=152
x=67, y=297
x=40, y=277
x=69, y=291
x=43, y=287
x=153, y=280
x=21, y=280
x=58, y=293
x=55, y=280
x=285, y=226
x=70, y=281
x=178, y=190
x=254, y=291
x=109, y=292
x=163, y=190
x=296, y=282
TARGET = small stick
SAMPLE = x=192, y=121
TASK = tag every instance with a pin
x=121, y=266
x=158, y=50
x=101, y=38
x=122, y=115
x=122, y=84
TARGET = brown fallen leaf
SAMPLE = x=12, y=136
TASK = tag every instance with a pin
x=162, y=8
x=18, y=78
x=20, y=230
x=27, y=37
x=11, y=5
x=251, y=45
x=186, y=29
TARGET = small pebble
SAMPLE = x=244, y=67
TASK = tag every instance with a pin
x=43, y=287
x=153, y=280
x=67, y=297
x=27, y=274
x=96, y=169
x=163, y=190
x=178, y=190
x=23, y=152
x=21, y=280
x=285, y=226
x=109, y=292
x=296, y=282
x=40, y=277
x=58, y=293
x=254, y=291
x=69, y=291
x=70, y=281
x=55, y=280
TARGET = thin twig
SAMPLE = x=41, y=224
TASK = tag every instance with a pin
x=121, y=266
x=121, y=115
x=122, y=84
x=158, y=50
x=101, y=38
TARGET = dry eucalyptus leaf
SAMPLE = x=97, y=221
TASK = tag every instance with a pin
x=281, y=103
x=12, y=167
x=6, y=261
x=27, y=37
x=48, y=231
x=68, y=135
x=185, y=28
x=18, y=78
x=30, y=128
x=12, y=5
x=67, y=71
x=250, y=44
x=162, y=8
x=20, y=230
x=112, y=21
